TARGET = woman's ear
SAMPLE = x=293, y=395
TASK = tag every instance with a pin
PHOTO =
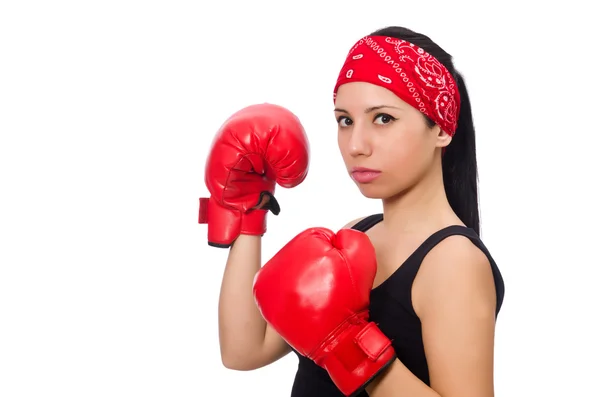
x=443, y=138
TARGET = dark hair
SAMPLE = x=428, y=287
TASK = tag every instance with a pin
x=459, y=162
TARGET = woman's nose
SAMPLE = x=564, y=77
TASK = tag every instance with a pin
x=359, y=142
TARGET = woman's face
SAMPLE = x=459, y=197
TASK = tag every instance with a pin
x=378, y=131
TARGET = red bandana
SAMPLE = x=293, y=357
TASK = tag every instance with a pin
x=408, y=71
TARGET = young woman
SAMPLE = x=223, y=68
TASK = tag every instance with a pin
x=406, y=135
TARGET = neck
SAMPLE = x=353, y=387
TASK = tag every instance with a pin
x=422, y=208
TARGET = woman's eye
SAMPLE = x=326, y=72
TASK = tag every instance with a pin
x=344, y=121
x=384, y=118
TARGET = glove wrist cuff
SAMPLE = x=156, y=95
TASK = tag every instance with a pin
x=226, y=224
x=254, y=222
x=356, y=355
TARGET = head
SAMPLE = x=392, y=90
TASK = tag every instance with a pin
x=379, y=130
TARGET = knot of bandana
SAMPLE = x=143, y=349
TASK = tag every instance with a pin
x=411, y=73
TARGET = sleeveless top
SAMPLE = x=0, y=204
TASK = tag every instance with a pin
x=391, y=307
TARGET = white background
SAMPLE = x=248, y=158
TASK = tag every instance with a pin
x=107, y=285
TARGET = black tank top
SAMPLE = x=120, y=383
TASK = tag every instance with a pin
x=391, y=307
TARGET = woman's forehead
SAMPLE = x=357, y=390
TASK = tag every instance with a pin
x=360, y=96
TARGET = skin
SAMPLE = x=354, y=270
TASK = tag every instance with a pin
x=453, y=293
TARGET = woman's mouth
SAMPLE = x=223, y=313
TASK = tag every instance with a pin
x=364, y=175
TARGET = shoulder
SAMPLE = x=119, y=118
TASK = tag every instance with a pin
x=456, y=252
x=453, y=272
x=365, y=223
x=353, y=222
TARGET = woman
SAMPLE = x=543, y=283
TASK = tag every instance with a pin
x=406, y=135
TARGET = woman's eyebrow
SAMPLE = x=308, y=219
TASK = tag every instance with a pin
x=370, y=109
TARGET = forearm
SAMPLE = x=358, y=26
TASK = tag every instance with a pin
x=398, y=381
x=241, y=327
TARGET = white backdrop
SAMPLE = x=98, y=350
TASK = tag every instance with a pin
x=107, y=285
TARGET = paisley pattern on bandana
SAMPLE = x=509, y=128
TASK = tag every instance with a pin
x=411, y=73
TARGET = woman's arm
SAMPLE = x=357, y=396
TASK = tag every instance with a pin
x=454, y=296
x=246, y=341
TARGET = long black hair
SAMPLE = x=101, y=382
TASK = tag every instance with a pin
x=459, y=162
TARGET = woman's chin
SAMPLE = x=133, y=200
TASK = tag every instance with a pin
x=372, y=191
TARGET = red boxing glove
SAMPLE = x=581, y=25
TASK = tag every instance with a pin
x=255, y=148
x=315, y=293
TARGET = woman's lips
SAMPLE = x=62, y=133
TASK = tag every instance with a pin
x=364, y=175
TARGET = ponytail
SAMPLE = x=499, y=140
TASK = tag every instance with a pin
x=459, y=164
